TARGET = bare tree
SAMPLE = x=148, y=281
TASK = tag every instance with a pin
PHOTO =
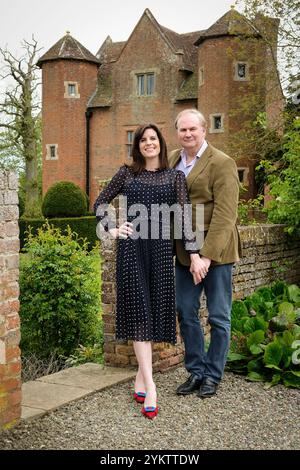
x=20, y=118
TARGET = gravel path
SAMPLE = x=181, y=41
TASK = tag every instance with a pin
x=243, y=415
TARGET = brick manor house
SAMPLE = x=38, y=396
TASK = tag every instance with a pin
x=93, y=103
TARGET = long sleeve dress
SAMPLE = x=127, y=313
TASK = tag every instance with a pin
x=145, y=281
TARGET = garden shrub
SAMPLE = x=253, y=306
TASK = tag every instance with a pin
x=65, y=199
x=284, y=183
x=60, y=294
x=265, y=343
x=84, y=227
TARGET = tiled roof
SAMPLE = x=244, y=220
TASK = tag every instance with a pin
x=230, y=24
x=110, y=51
x=68, y=48
x=102, y=97
x=185, y=44
x=189, y=88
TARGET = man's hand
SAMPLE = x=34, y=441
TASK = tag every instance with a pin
x=199, y=267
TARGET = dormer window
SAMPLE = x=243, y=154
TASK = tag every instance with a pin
x=145, y=84
x=241, y=71
x=71, y=90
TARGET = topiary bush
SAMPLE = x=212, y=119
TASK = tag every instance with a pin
x=59, y=294
x=65, y=199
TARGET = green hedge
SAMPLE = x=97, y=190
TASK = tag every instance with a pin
x=85, y=227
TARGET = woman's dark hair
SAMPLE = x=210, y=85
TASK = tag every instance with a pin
x=139, y=162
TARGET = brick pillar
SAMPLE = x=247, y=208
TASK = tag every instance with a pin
x=10, y=361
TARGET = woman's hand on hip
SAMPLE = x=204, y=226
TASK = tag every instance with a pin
x=123, y=231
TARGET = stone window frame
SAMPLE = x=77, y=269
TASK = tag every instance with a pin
x=212, y=128
x=236, y=77
x=245, y=175
x=49, y=148
x=67, y=94
x=135, y=73
x=145, y=85
x=201, y=76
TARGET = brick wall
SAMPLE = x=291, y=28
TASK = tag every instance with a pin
x=64, y=121
x=109, y=126
x=10, y=361
x=268, y=255
x=238, y=101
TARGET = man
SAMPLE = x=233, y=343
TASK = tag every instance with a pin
x=212, y=180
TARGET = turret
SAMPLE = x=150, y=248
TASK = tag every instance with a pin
x=69, y=77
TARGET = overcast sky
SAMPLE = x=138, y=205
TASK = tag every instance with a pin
x=91, y=21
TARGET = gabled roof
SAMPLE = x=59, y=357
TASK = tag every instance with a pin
x=110, y=51
x=230, y=24
x=179, y=44
x=184, y=43
x=68, y=48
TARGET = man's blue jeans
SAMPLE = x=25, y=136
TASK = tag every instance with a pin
x=217, y=287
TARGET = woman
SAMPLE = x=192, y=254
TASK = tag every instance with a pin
x=145, y=275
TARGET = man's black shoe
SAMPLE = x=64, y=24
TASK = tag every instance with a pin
x=208, y=388
x=193, y=383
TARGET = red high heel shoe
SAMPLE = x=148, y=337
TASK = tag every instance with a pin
x=150, y=411
x=139, y=397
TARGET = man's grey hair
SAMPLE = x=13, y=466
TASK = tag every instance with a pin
x=194, y=111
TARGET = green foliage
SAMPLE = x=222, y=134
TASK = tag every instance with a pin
x=284, y=183
x=60, y=294
x=84, y=227
x=249, y=211
x=85, y=354
x=64, y=199
x=21, y=197
x=265, y=334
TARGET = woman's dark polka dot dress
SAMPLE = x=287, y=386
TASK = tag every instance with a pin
x=145, y=273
